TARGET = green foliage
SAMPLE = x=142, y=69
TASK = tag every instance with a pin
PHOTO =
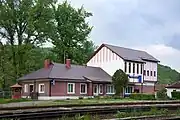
x=175, y=95
x=120, y=81
x=72, y=34
x=166, y=75
x=81, y=117
x=139, y=96
x=162, y=95
x=153, y=111
x=25, y=25
x=4, y=101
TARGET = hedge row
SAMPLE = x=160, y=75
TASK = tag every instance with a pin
x=175, y=95
x=139, y=96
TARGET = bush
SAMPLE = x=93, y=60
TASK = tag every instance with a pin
x=139, y=96
x=162, y=95
x=81, y=97
x=175, y=95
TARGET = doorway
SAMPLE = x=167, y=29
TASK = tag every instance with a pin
x=31, y=88
x=95, y=89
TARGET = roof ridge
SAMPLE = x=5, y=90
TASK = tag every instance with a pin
x=78, y=65
x=124, y=47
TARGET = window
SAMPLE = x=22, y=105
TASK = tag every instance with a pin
x=31, y=88
x=83, y=88
x=41, y=88
x=129, y=89
x=141, y=68
x=26, y=88
x=133, y=67
x=110, y=89
x=151, y=73
x=147, y=72
x=71, y=88
x=129, y=67
x=95, y=89
x=125, y=66
x=100, y=89
x=137, y=68
x=144, y=72
x=154, y=73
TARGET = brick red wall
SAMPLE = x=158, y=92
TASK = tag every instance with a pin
x=146, y=89
x=60, y=89
x=46, y=83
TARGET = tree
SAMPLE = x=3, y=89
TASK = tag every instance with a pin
x=120, y=81
x=162, y=94
x=25, y=24
x=72, y=34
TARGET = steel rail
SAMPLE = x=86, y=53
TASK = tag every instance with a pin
x=87, y=104
x=85, y=110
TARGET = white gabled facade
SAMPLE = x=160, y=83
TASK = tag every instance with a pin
x=107, y=60
x=110, y=62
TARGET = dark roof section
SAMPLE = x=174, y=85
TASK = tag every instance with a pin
x=175, y=85
x=160, y=86
x=76, y=72
x=129, y=54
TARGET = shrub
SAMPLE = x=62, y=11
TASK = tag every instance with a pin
x=175, y=95
x=139, y=96
x=81, y=97
x=116, y=97
x=121, y=114
x=162, y=95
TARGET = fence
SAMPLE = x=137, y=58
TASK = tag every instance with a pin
x=5, y=94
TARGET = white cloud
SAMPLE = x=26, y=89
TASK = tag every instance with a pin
x=133, y=23
x=167, y=55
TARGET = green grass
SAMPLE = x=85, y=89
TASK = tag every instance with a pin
x=88, y=101
x=153, y=111
x=5, y=101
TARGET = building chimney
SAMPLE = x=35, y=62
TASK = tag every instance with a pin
x=68, y=63
x=47, y=63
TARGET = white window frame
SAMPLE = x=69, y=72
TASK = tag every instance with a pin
x=111, y=92
x=85, y=88
x=129, y=92
x=42, y=84
x=100, y=89
x=73, y=88
x=26, y=88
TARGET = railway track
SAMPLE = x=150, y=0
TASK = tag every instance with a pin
x=94, y=104
x=82, y=110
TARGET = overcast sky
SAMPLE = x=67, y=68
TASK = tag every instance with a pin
x=150, y=25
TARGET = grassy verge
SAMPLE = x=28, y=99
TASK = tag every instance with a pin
x=153, y=111
x=88, y=101
x=119, y=115
x=5, y=101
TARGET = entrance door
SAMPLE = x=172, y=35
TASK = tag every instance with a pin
x=95, y=89
x=31, y=88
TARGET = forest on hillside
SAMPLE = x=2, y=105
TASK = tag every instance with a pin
x=25, y=25
x=166, y=75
